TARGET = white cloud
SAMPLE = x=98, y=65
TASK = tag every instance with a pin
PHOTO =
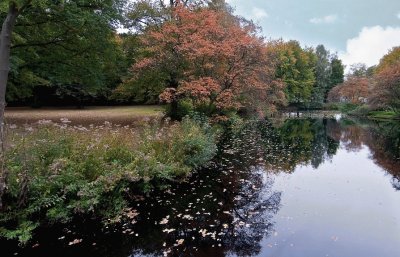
x=326, y=19
x=370, y=45
x=398, y=15
x=259, y=13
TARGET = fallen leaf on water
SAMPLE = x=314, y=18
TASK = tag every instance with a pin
x=180, y=241
x=164, y=221
x=75, y=241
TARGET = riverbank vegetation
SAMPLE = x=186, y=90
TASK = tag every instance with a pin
x=58, y=171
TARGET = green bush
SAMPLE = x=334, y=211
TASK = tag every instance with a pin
x=331, y=106
x=362, y=111
x=57, y=171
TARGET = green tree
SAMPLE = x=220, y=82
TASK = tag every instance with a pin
x=64, y=46
x=295, y=67
x=337, y=74
x=57, y=24
x=50, y=39
x=358, y=70
x=323, y=71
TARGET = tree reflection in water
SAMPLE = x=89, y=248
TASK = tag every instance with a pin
x=296, y=142
x=227, y=208
x=381, y=137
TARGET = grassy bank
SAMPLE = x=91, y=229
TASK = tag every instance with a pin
x=93, y=114
x=58, y=171
x=363, y=111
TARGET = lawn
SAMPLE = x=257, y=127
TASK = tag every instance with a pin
x=95, y=114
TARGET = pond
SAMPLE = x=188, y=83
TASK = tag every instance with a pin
x=299, y=187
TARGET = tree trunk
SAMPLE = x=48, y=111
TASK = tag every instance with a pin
x=5, y=46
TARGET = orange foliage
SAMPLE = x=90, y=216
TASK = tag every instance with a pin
x=212, y=58
x=354, y=90
x=386, y=91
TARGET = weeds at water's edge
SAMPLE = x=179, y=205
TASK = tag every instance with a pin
x=58, y=171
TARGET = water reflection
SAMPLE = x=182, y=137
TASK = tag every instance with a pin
x=348, y=205
x=255, y=197
x=296, y=142
x=381, y=138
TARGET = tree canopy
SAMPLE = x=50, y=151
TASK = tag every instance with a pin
x=64, y=43
x=210, y=58
x=295, y=68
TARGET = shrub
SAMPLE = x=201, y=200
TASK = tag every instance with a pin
x=331, y=106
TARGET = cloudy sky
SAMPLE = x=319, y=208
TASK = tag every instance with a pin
x=359, y=30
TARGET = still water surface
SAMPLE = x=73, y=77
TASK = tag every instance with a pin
x=305, y=187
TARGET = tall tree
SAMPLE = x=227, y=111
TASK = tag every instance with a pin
x=295, y=67
x=213, y=61
x=386, y=88
x=5, y=44
x=337, y=75
x=359, y=70
x=73, y=49
x=386, y=91
x=56, y=22
x=323, y=71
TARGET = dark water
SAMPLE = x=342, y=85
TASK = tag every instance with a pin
x=308, y=187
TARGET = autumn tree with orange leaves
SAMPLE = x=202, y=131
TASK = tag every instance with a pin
x=210, y=58
x=386, y=91
x=354, y=90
